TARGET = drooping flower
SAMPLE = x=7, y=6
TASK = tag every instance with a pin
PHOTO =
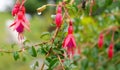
x=21, y=22
x=58, y=18
x=111, y=50
x=69, y=42
x=101, y=40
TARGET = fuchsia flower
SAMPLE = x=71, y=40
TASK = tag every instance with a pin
x=69, y=42
x=101, y=40
x=58, y=18
x=111, y=50
x=20, y=22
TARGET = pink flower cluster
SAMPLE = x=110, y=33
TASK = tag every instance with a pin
x=20, y=23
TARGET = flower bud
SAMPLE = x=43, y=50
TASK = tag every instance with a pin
x=59, y=9
x=101, y=40
x=111, y=50
x=40, y=9
x=58, y=19
x=15, y=9
x=70, y=29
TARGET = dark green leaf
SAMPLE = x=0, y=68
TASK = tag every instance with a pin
x=32, y=51
x=16, y=55
x=54, y=63
x=47, y=61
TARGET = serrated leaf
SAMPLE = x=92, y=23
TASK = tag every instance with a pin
x=32, y=51
x=16, y=55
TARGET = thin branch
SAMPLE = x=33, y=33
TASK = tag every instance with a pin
x=112, y=39
x=51, y=4
x=61, y=62
x=41, y=43
x=92, y=3
x=55, y=34
x=110, y=28
x=22, y=49
x=66, y=12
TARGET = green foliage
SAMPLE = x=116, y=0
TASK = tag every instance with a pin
x=16, y=55
x=32, y=51
x=51, y=63
x=32, y=5
x=105, y=16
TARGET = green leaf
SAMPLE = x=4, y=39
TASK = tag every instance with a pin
x=32, y=51
x=16, y=55
x=54, y=63
x=36, y=65
x=26, y=41
x=108, y=2
x=44, y=34
x=47, y=61
x=84, y=63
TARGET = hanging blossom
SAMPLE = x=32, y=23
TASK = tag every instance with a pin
x=58, y=18
x=111, y=50
x=20, y=22
x=101, y=40
x=69, y=42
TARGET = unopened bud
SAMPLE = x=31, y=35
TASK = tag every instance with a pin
x=40, y=9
